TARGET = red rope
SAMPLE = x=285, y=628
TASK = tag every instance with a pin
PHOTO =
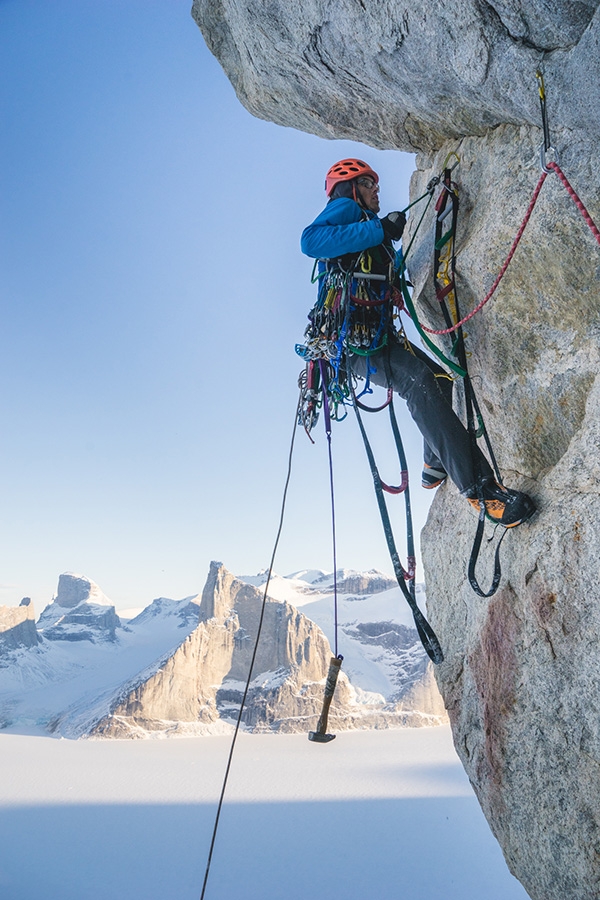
x=576, y=199
x=492, y=290
x=580, y=206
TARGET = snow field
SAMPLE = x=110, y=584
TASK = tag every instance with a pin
x=372, y=814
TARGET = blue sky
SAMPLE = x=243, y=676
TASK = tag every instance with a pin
x=152, y=292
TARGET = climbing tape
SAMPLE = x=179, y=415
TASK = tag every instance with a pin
x=253, y=659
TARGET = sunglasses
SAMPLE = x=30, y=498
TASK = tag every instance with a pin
x=367, y=183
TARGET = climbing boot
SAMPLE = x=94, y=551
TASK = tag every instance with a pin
x=432, y=478
x=503, y=506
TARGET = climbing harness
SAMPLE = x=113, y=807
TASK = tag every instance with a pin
x=355, y=315
x=352, y=311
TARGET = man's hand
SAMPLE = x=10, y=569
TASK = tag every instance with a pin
x=393, y=225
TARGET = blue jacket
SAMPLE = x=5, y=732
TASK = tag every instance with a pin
x=339, y=229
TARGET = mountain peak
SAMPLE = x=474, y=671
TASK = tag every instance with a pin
x=74, y=589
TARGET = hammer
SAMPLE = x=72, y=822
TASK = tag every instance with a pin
x=320, y=736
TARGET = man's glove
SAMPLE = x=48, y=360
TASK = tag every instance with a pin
x=393, y=225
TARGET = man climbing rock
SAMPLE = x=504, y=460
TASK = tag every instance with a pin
x=357, y=261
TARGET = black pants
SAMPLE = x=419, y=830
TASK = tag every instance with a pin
x=412, y=374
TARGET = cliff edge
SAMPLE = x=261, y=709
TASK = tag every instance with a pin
x=521, y=669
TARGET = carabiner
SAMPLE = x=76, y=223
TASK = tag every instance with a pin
x=543, y=154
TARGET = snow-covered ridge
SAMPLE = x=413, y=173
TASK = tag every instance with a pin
x=79, y=612
x=180, y=665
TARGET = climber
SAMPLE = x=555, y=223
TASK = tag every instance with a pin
x=348, y=235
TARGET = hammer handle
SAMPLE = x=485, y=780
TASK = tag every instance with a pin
x=332, y=677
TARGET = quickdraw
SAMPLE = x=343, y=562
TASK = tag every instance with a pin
x=353, y=311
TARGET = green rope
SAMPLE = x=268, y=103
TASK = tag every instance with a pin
x=413, y=314
x=418, y=200
x=370, y=351
x=405, y=253
x=458, y=370
x=316, y=277
x=444, y=239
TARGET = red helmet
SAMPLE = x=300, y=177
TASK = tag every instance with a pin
x=346, y=170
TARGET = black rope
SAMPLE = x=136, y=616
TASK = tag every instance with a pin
x=542, y=91
x=253, y=660
x=424, y=629
x=475, y=556
x=327, y=419
x=475, y=421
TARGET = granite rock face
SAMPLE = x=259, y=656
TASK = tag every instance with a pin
x=404, y=75
x=202, y=681
x=17, y=627
x=79, y=612
x=521, y=669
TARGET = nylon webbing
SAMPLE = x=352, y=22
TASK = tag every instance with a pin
x=445, y=270
x=425, y=631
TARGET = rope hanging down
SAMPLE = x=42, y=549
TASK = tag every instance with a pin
x=320, y=735
x=252, y=661
x=444, y=272
x=426, y=633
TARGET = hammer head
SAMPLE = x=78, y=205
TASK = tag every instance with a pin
x=320, y=738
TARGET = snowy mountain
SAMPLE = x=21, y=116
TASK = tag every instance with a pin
x=179, y=667
x=17, y=627
x=79, y=612
x=376, y=634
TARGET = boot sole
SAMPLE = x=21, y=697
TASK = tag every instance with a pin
x=531, y=508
